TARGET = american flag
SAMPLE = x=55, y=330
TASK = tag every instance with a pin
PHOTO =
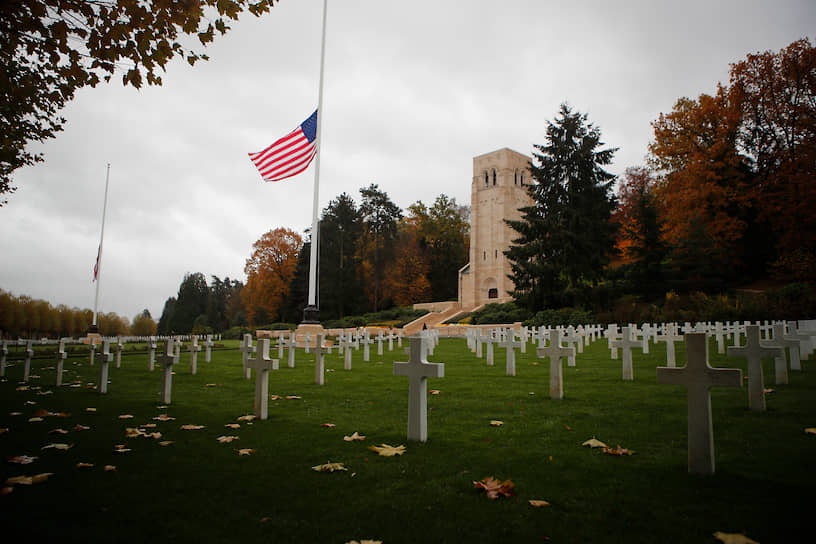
x=98, y=257
x=290, y=155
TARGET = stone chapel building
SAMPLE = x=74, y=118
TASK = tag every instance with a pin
x=497, y=192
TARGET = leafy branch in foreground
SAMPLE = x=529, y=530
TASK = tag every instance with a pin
x=51, y=48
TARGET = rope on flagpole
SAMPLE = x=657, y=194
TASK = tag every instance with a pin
x=98, y=275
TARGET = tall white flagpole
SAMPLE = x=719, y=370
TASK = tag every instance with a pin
x=94, y=327
x=311, y=312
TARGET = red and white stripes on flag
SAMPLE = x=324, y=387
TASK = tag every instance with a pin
x=98, y=257
x=290, y=155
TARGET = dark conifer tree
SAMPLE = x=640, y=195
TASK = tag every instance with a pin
x=566, y=236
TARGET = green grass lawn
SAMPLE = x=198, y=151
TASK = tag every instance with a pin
x=199, y=490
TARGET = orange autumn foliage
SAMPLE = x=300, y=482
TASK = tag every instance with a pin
x=269, y=273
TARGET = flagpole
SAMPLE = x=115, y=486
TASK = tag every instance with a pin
x=94, y=328
x=311, y=314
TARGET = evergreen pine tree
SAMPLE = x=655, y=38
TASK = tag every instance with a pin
x=566, y=236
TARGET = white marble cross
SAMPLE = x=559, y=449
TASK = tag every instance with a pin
x=612, y=335
x=524, y=335
x=61, y=356
x=168, y=358
x=320, y=364
x=795, y=347
x=366, y=341
x=208, y=345
x=3, y=355
x=345, y=346
x=29, y=353
x=418, y=370
x=490, y=340
x=626, y=343
x=554, y=351
x=510, y=343
x=119, y=347
x=754, y=352
x=391, y=340
x=262, y=365
x=194, y=349
x=107, y=359
x=307, y=340
x=719, y=334
x=247, y=349
x=781, y=361
x=292, y=344
x=570, y=338
x=380, y=339
x=281, y=344
x=670, y=336
x=151, y=353
x=699, y=377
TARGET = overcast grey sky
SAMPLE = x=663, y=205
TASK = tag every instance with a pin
x=413, y=91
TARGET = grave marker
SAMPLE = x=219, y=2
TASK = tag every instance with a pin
x=29, y=353
x=3, y=355
x=119, y=347
x=208, y=345
x=780, y=361
x=509, y=344
x=292, y=345
x=262, y=365
x=247, y=349
x=61, y=356
x=670, y=336
x=699, y=378
x=320, y=363
x=167, y=359
x=194, y=349
x=151, y=353
x=107, y=359
x=754, y=352
x=554, y=351
x=418, y=370
x=626, y=343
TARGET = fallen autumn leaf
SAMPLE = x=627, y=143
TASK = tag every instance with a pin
x=354, y=436
x=388, y=451
x=495, y=488
x=329, y=467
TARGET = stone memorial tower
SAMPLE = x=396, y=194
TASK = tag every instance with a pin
x=499, y=189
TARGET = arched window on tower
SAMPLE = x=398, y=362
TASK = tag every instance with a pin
x=487, y=179
x=515, y=177
x=522, y=178
x=494, y=176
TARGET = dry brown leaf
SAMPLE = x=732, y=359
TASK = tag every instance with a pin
x=245, y=451
x=233, y=425
x=594, y=443
x=292, y=397
x=21, y=459
x=330, y=467
x=4, y=430
x=134, y=433
x=733, y=538
x=496, y=423
x=388, y=451
x=58, y=447
x=6, y=490
x=537, y=503
x=110, y=468
x=164, y=417
x=364, y=542
x=84, y=465
x=275, y=397
x=192, y=427
x=495, y=488
x=226, y=439
x=618, y=451
x=810, y=430
x=147, y=425
x=328, y=425
x=209, y=385
x=40, y=478
x=354, y=436
x=126, y=416
x=434, y=391
x=248, y=417
x=57, y=431
x=90, y=409
x=154, y=436
x=79, y=427
x=34, y=419
x=165, y=443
